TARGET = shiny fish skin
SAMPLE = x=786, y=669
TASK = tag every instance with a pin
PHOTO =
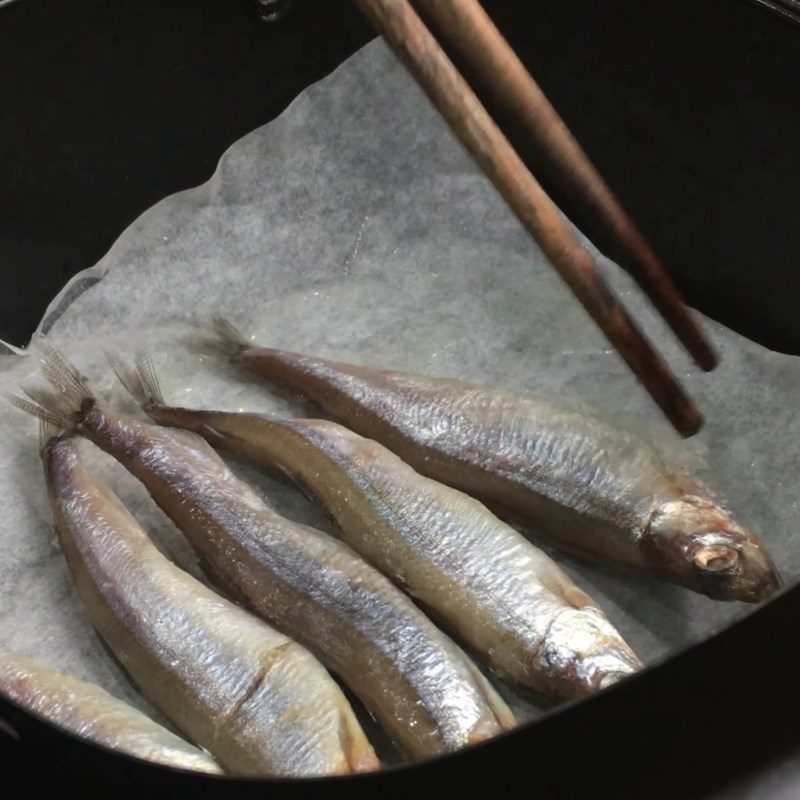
x=419, y=686
x=588, y=487
x=260, y=703
x=481, y=578
x=416, y=682
x=92, y=713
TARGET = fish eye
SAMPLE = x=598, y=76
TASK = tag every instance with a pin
x=716, y=558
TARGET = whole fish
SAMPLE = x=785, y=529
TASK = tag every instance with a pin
x=259, y=702
x=586, y=486
x=93, y=714
x=482, y=579
x=416, y=682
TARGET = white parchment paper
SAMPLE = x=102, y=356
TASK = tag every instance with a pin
x=355, y=227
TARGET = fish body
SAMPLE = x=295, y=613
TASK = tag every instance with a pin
x=584, y=485
x=90, y=712
x=259, y=702
x=421, y=688
x=484, y=581
x=416, y=682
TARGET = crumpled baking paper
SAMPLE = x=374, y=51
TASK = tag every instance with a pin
x=355, y=227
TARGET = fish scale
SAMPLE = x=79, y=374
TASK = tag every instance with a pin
x=223, y=677
x=584, y=485
x=92, y=713
x=489, y=586
x=417, y=683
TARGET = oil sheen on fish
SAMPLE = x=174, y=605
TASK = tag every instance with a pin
x=90, y=712
x=484, y=581
x=257, y=701
x=585, y=485
x=417, y=683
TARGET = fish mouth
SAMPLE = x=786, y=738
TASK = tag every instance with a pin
x=610, y=678
x=585, y=653
x=605, y=667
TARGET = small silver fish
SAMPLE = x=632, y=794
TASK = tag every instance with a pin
x=588, y=487
x=478, y=576
x=259, y=702
x=417, y=683
x=92, y=713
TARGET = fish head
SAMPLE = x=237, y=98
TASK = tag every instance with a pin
x=584, y=653
x=697, y=543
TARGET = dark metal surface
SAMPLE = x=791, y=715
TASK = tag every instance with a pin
x=692, y=726
x=105, y=108
x=269, y=10
x=449, y=92
x=467, y=31
x=689, y=110
x=788, y=9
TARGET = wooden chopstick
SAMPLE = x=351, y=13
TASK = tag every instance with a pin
x=416, y=47
x=467, y=30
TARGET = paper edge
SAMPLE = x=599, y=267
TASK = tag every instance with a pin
x=84, y=280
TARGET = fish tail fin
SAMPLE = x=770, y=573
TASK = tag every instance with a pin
x=140, y=379
x=62, y=405
x=222, y=339
x=47, y=432
x=62, y=375
x=46, y=405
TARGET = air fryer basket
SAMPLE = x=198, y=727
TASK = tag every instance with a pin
x=706, y=716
